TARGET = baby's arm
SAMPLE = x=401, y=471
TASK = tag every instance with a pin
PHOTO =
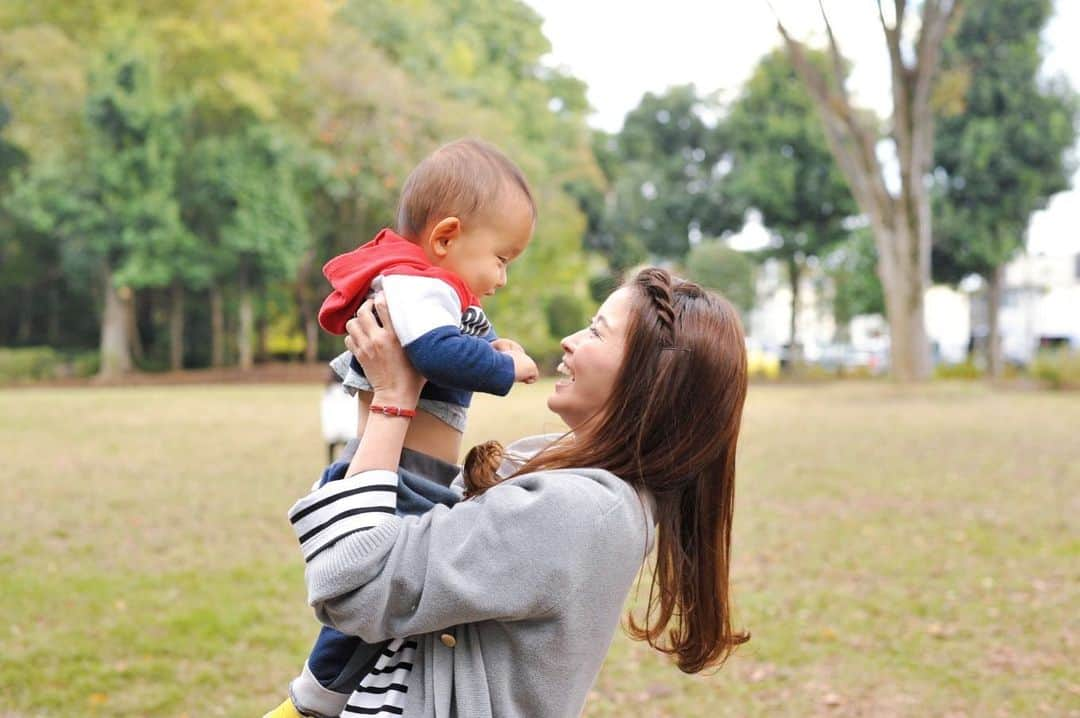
x=426, y=313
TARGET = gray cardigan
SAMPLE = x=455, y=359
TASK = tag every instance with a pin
x=513, y=597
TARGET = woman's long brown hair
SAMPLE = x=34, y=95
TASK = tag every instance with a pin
x=671, y=426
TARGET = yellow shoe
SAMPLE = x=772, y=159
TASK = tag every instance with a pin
x=285, y=710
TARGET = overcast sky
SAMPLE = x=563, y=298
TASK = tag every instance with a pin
x=625, y=49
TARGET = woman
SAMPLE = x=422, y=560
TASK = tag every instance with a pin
x=505, y=604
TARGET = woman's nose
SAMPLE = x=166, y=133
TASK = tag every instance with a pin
x=567, y=342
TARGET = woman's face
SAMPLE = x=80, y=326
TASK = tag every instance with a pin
x=591, y=358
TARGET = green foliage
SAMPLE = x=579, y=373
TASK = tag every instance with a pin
x=113, y=207
x=85, y=363
x=782, y=167
x=781, y=164
x=601, y=285
x=717, y=266
x=11, y=155
x=662, y=184
x=1000, y=147
x=565, y=315
x=44, y=100
x=256, y=208
x=245, y=144
x=852, y=267
x=35, y=363
x=964, y=370
x=28, y=364
x=1059, y=368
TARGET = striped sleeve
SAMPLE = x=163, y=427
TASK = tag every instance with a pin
x=382, y=691
x=339, y=508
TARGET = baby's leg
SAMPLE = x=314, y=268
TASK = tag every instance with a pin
x=337, y=662
x=332, y=671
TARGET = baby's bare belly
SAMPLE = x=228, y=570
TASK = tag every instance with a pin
x=426, y=434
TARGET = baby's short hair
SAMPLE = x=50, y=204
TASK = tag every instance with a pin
x=462, y=179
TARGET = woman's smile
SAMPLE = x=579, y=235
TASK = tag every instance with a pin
x=565, y=371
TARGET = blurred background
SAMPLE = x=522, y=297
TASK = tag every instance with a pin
x=174, y=175
x=886, y=191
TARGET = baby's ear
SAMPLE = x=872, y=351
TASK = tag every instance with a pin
x=442, y=235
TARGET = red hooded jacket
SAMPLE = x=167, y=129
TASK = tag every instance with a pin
x=352, y=273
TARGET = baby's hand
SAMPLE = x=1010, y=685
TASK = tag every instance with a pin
x=507, y=346
x=525, y=369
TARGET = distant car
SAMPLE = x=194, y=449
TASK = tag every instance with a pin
x=842, y=357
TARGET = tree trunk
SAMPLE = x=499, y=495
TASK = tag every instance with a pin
x=262, y=332
x=26, y=326
x=217, y=326
x=115, y=325
x=53, y=326
x=795, y=353
x=904, y=290
x=311, y=335
x=246, y=326
x=176, y=327
x=994, y=360
x=306, y=303
x=133, y=323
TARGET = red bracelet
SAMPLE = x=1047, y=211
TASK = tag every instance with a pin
x=392, y=411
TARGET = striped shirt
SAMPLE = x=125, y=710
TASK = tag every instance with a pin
x=329, y=513
x=382, y=691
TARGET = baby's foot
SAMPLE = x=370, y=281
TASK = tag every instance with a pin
x=285, y=710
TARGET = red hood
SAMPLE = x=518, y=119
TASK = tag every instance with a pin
x=352, y=273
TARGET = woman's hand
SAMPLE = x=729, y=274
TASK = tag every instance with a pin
x=372, y=340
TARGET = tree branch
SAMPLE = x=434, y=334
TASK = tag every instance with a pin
x=834, y=50
x=851, y=142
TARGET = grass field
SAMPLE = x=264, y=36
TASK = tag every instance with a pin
x=897, y=553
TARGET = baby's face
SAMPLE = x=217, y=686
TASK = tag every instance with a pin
x=486, y=246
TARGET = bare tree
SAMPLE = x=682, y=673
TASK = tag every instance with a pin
x=901, y=222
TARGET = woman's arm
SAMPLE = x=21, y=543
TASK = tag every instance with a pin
x=367, y=496
x=515, y=553
x=394, y=380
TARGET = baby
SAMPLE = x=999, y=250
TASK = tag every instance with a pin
x=465, y=213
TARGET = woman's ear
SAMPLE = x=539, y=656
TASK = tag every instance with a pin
x=442, y=235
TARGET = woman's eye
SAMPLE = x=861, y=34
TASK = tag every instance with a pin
x=504, y=260
x=592, y=330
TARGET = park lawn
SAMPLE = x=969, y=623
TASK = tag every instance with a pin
x=897, y=553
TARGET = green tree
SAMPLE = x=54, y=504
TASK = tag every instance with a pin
x=715, y=265
x=782, y=167
x=249, y=206
x=663, y=187
x=857, y=289
x=41, y=106
x=113, y=209
x=14, y=266
x=1000, y=150
x=233, y=67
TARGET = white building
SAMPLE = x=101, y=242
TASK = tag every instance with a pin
x=769, y=324
x=1040, y=306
